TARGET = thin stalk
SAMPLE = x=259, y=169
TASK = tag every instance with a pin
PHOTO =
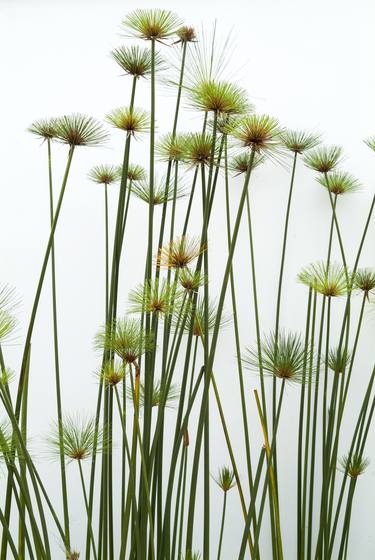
x=22, y=510
x=106, y=250
x=279, y=290
x=87, y=508
x=222, y=526
x=313, y=434
x=214, y=339
x=30, y=329
x=307, y=430
x=236, y=328
x=57, y=361
x=300, y=527
x=253, y=495
x=40, y=283
x=272, y=475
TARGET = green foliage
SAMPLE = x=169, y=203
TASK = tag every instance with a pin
x=283, y=357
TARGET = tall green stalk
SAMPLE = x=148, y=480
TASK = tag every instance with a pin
x=57, y=362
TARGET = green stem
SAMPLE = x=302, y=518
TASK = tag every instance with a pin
x=222, y=526
x=57, y=362
x=87, y=508
x=40, y=284
x=300, y=527
x=214, y=339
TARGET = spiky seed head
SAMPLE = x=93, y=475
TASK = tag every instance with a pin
x=261, y=133
x=298, y=141
x=339, y=182
x=104, y=174
x=331, y=281
x=155, y=296
x=135, y=61
x=73, y=555
x=186, y=34
x=324, y=158
x=283, y=357
x=112, y=373
x=370, y=142
x=200, y=317
x=179, y=253
x=338, y=359
x=80, y=130
x=354, y=465
x=241, y=162
x=158, y=397
x=153, y=24
x=132, y=121
x=136, y=173
x=79, y=437
x=126, y=339
x=225, y=479
x=220, y=97
x=162, y=192
x=44, y=129
x=191, y=280
x=364, y=279
x=198, y=148
x=171, y=147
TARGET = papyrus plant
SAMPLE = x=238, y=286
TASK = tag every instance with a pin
x=145, y=456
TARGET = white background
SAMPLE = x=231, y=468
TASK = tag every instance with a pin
x=309, y=64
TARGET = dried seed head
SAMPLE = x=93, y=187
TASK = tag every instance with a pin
x=179, y=253
x=185, y=34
